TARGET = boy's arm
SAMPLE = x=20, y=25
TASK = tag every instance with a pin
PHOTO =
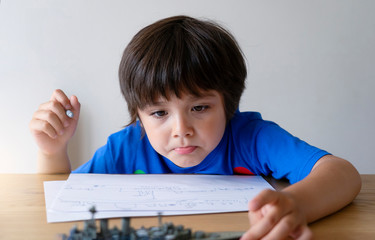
x=54, y=163
x=332, y=184
x=52, y=129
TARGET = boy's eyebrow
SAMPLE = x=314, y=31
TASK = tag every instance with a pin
x=191, y=97
x=203, y=96
x=156, y=103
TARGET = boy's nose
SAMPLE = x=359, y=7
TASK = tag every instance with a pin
x=182, y=127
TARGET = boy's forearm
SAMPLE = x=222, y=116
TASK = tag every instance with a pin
x=56, y=163
x=332, y=184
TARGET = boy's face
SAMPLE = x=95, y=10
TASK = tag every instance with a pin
x=185, y=130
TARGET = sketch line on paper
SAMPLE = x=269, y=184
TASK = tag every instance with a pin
x=151, y=193
x=149, y=198
x=165, y=205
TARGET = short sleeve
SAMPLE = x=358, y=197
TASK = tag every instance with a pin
x=122, y=154
x=283, y=155
x=99, y=163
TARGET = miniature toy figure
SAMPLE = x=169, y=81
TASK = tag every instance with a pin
x=166, y=231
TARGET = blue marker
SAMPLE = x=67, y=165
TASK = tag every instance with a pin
x=69, y=113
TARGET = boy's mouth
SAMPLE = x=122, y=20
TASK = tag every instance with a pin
x=185, y=150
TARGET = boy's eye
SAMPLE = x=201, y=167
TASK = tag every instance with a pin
x=159, y=113
x=199, y=108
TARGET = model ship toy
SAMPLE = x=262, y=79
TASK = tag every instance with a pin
x=166, y=231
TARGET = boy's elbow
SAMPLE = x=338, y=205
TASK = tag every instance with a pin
x=357, y=182
x=353, y=178
x=344, y=172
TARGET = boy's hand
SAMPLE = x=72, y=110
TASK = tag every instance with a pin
x=50, y=125
x=276, y=215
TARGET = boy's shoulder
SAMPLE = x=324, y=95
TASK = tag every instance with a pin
x=247, y=115
x=133, y=131
x=245, y=123
x=240, y=119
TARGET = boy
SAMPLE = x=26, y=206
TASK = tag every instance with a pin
x=182, y=78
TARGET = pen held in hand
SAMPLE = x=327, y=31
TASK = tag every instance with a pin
x=69, y=113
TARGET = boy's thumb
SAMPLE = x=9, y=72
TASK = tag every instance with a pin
x=75, y=105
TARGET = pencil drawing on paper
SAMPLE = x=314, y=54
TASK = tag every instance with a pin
x=151, y=193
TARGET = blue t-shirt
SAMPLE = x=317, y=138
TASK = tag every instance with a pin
x=250, y=145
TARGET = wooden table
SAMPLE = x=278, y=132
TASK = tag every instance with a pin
x=23, y=213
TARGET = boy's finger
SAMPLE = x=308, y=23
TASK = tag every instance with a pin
x=270, y=219
x=247, y=235
x=59, y=96
x=284, y=227
x=54, y=107
x=76, y=106
x=49, y=119
x=38, y=126
x=263, y=198
x=306, y=233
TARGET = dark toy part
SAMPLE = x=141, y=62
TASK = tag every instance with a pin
x=166, y=231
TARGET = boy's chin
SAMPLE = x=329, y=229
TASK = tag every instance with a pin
x=185, y=162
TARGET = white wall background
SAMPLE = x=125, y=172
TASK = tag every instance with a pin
x=311, y=68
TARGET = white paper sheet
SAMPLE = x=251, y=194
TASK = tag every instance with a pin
x=147, y=195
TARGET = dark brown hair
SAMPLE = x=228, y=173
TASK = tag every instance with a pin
x=181, y=55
